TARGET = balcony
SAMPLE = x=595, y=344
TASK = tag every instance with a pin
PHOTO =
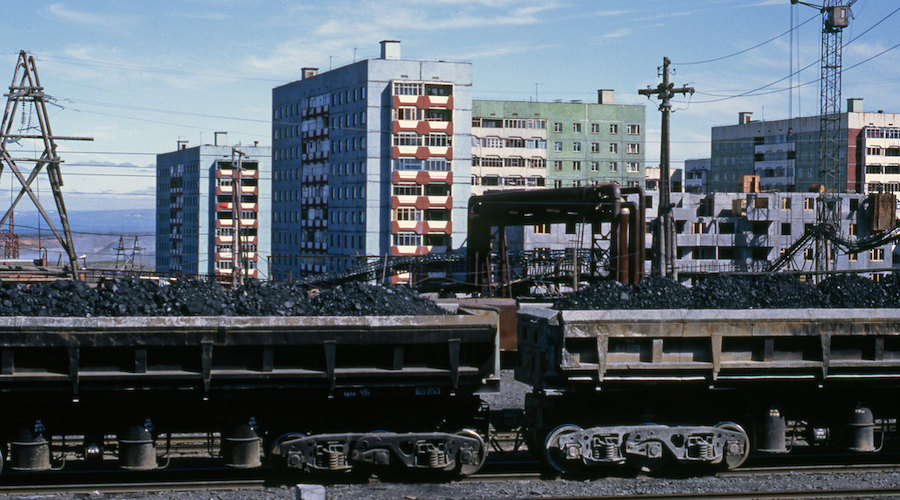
x=422, y=177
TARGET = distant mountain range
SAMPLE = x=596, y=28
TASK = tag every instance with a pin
x=140, y=222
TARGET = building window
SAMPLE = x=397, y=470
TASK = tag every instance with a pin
x=633, y=148
x=557, y=147
x=595, y=166
x=557, y=183
x=633, y=166
x=595, y=147
x=576, y=147
x=576, y=165
x=491, y=142
x=440, y=140
x=785, y=203
x=595, y=128
x=542, y=229
x=407, y=190
x=407, y=139
x=614, y=128
x=537, y=163
x=632, y=129
x=785, y=228
x=852, y=257
x=613, y=147
x=876, y=254
x=557, y=127
x=408, y=214
x=852, y=229
x=808, y=254
x=696, y=228
x=405, y=88
x=557, y=165
x=576, y=127
x=407, y=113
x=809, y=203
x=613, y=166
x=407, y=239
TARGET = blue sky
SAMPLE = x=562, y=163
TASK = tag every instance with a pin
x=138, y=76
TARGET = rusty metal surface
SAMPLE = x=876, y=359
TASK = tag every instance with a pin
x=718, y=347
x=227, y=354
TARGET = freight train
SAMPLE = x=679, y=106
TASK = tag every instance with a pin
x=343, y=393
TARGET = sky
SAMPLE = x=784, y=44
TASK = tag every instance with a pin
x=139, y=76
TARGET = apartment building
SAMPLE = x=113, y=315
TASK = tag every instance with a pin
x=785, y=153
x=195, y=215
x=533, y=145
x=371, y=158
x=696, y=175
x=727, y=232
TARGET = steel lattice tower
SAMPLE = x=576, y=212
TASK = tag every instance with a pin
x=835, y=17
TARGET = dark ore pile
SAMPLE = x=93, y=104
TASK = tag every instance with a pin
x=732, y=292
x=135, y=297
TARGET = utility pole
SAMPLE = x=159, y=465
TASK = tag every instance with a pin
x=26, y=89
x=663, y=263
x=237, y=274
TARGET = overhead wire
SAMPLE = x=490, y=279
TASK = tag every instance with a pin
x=748, y=49
x=755, y=91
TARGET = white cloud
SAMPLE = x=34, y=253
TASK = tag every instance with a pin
x=65, y=14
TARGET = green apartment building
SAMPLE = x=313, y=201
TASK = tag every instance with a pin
x=532, y=144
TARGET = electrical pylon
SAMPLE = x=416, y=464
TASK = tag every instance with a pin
x=26, y=89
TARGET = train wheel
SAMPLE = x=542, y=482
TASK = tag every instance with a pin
x=556, y=457
x=469, y=469
x=734, y=457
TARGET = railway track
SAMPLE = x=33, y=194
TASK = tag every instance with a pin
x=185, y=478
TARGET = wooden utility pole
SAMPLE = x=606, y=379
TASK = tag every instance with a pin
x=237, y=274
x=663, y=263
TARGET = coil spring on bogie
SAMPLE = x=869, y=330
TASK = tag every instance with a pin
x=436, y=458
x=605, y=451
x=706, y=450
x=335, y=459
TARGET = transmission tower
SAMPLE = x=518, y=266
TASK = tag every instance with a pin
x=835, y=17
x=26, y=91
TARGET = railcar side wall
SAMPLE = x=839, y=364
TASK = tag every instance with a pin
x=569, y=350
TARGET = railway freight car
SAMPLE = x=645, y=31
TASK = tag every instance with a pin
x=314, y=393
x=645, y=387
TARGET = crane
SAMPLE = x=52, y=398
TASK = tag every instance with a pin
x=835, y=17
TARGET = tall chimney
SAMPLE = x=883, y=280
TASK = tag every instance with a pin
x=390, y=49
x=605, y=96
x=745, y=117
x=308, y=73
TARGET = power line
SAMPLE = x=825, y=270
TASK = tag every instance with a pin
x=776, y=37
x=754, y=91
